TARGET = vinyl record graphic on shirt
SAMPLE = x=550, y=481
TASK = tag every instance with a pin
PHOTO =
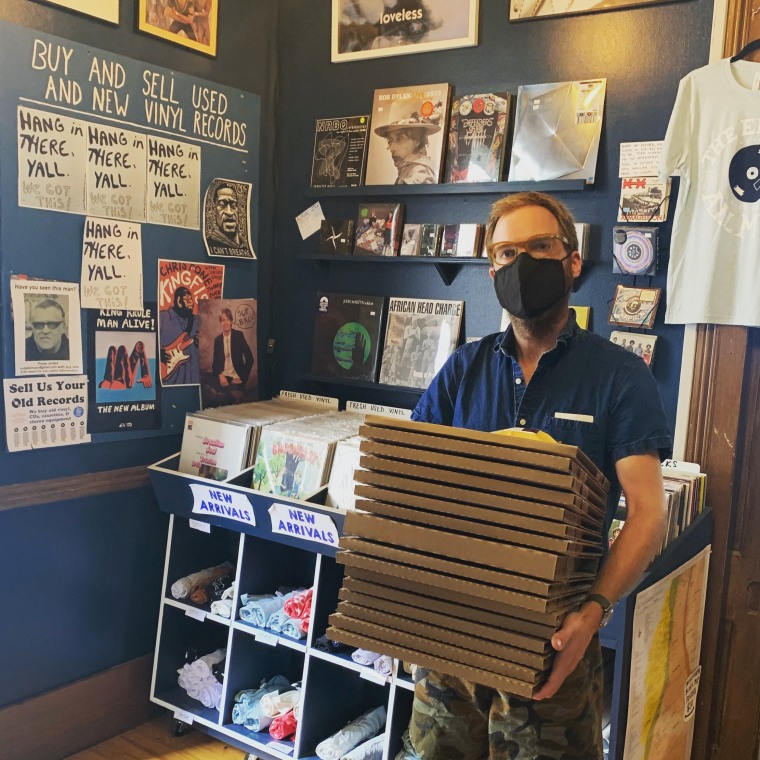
x=634, y=250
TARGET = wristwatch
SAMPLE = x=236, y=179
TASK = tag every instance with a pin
x=604, y=603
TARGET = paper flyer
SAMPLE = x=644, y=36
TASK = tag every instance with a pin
x=123, y=370
x=44, y=412
x=112, y=275
x=46, y=327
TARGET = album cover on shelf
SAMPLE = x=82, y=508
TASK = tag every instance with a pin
x=347, y=333
x=634, y=307
x=336, y=237
x=643, y=199
x=477, y=137
x=410, y=240
x=408, y=135
x=461, y=240
x=557, y=131
x=634, y=250
x=340, y=151
x=641, y=344
x=378, y=229
x=430, y=239
x=420, y=336
x=290, y=464
x=213, y=449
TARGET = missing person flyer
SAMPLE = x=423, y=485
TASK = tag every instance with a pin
x=123, y=354
x=46, y=327
x=43, y=412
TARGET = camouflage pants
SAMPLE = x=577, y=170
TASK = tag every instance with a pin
x=453, y=719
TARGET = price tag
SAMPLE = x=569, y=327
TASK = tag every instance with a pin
x=266, y=638
x=184, y=716
x=373, y=675
x=196, y=614
x=203, y=527
x=281, y=747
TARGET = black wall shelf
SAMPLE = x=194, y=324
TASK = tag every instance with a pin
x=361, y=384
x=458, y=188
x=447, y=268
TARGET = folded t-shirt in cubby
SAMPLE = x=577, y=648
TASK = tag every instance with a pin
x=205, y=585
x=247, y=710
x=353, y=734
x=198, y=680
x=285, y=613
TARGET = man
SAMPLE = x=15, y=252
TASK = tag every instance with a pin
x=232, y=361
x=180, y=15
x=178, y=333
x=607, y=403
x=48, y=340
x=227, y=231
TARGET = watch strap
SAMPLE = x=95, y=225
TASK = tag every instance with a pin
x=604, y=603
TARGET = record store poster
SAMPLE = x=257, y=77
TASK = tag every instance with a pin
x=124, y=393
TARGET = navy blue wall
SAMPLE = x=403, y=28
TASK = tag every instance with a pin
x=643, y=52
x=81, y=582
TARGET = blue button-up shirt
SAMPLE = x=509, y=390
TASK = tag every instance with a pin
x=482, y=387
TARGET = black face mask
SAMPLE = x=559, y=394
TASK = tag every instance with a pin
x=530, y=287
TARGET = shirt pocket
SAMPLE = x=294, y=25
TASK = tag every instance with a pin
x=586, y=435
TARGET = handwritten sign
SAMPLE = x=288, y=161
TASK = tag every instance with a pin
x=310, y=221
x=311, y=398
x=116, y=173
x=111, y=265
x=51, y=158
x=219, y=502
x=640, y=159
x=174, y=170
x=288, y=520
x=388, y=411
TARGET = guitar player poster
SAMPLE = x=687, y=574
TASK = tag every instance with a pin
x=123, y=370
x=181, y=286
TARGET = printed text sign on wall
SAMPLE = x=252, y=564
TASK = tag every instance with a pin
x=219, y=502
x=303, y=523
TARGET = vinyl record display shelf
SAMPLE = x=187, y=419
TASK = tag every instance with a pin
x=448, y=267
x=335, y=688
x=449, y=188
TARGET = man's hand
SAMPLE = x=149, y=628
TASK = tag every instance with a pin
x=570, y=643
x=223, y=381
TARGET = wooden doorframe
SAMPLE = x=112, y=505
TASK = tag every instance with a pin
x=724, y=437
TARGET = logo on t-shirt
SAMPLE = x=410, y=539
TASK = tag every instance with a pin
x=744, y=174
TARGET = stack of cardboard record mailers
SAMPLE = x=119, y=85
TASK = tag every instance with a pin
x=470, y=549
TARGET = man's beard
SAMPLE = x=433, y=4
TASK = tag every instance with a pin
x=183, y=310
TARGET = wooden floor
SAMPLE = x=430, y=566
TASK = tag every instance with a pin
x=155, y=740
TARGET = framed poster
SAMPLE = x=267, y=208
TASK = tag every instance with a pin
x=379, y=28
x=191, y=23
x=107, y=10
x=520, y=10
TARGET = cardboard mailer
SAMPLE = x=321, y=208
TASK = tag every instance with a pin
x=521, y=644
x=480, y=482
x=504, y=533
x=530, y=635
x=453, y=589
x=498, y=468
x=513, y=558
x=557, y=449
x=539, y=595
x=520, y=658
x=576, y=514
x=464, y=655
x=476, y=675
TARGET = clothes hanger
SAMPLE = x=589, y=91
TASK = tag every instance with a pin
x=750, y=47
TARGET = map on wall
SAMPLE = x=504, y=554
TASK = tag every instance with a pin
x=667, y=639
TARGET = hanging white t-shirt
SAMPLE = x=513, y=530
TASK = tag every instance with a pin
x=713, y=143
